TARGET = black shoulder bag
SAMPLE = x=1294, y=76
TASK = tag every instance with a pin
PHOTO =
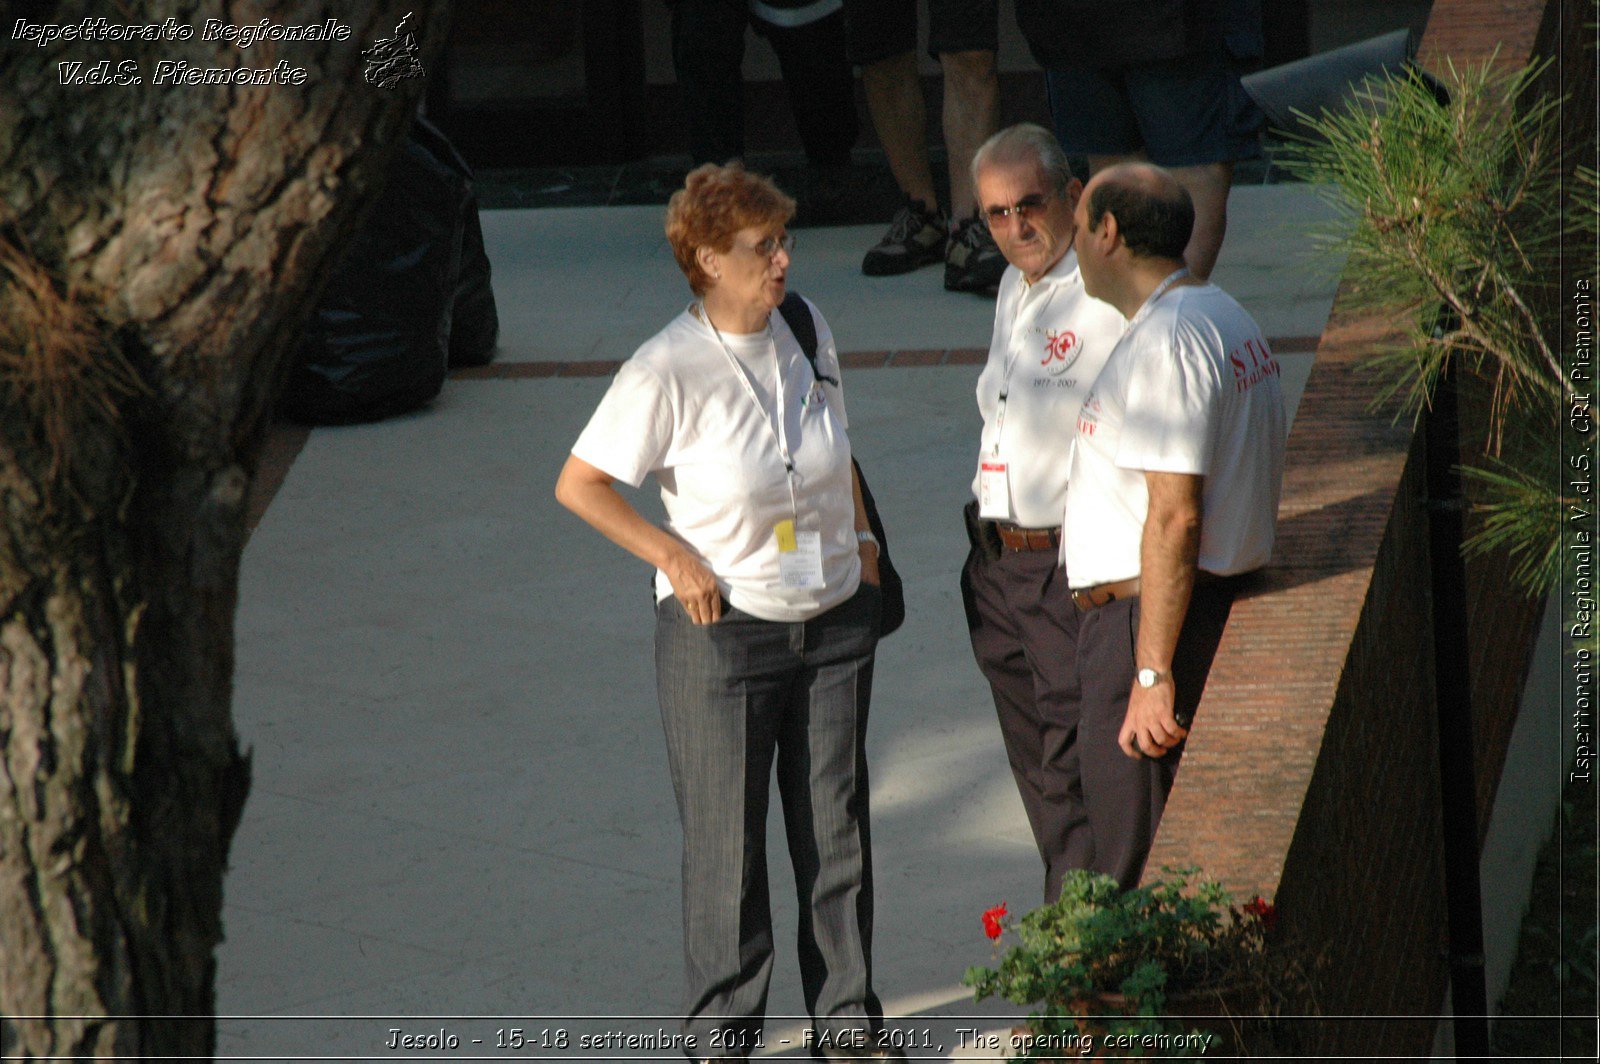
x=798, y=315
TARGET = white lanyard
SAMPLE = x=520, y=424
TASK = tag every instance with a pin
x=1149, y=304
x=779, y=435
x=1011, y=356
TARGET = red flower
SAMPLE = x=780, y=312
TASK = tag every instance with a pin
x=991, y=920
x=1262, y=910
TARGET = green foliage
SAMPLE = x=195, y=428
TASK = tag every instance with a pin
x=1102, y=960
x=1453, y=223
x=1520, y=507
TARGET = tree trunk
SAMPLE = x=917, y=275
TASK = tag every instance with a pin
x=159, y=247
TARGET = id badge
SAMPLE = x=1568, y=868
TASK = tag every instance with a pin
x=799, y=556
x=994, y=490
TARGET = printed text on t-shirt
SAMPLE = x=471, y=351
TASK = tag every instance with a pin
x=1089, y=415
x=1254, y=365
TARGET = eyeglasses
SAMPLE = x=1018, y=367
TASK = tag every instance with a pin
x=1025, y=208
x=768, y=248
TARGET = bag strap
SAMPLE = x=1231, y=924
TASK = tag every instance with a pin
x=798, y=316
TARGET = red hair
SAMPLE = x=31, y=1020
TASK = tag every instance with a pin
x=714, y=203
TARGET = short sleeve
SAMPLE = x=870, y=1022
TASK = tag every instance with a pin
x=1170, y=422
x=631, y=430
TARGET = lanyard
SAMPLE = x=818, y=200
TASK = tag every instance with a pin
x=779, y=435
x=1149, y=304
x=1014, y=347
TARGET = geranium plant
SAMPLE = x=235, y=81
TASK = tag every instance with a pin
x=1123, y=967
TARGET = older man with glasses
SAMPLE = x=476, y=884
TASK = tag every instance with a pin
x=1050, y=340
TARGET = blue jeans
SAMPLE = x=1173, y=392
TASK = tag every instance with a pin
x=736, y=696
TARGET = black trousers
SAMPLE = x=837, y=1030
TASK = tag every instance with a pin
x=707, y=54
x=1024, y=631
x=1060, y=678
x=1125, y=797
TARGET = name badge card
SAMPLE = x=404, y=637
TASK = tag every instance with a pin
x=994, y=490
x=799, y=556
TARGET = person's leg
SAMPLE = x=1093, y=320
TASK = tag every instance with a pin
x=881, y=39
x=1208, y=186
x=1023, y=628
x=707, y=51
x=820, y=84
x=1196, y=120
x=971, y=116
x=1124, y=796
x=822, y=779
x=899, y=117
x=721, y=690
x=964, y=36
x=918, y=233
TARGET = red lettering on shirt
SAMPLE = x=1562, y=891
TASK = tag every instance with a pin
x=1057, y=344
x=1261, y=366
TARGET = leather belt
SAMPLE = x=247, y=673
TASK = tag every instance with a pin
x=1014, y=537
x=1087, y=598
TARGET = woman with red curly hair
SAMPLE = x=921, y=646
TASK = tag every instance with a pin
x=767, y=612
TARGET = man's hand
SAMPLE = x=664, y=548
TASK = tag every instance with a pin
x=1150, y=729
x=1168, y=555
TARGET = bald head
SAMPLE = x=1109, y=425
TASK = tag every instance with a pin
x=1154, y=213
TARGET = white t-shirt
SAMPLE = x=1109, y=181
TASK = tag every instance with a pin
x=1050, y=340
x=678, y=409
x=1192, y=388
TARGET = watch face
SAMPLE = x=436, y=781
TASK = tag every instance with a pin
x=1147, y=677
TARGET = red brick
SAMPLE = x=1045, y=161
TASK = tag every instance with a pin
x=596, y=368
x=916, y=358
x=1312, y=772
x=507, y=371
x=864, y=359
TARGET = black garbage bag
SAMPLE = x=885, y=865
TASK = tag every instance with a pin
x=378, y=343
x=474, y=321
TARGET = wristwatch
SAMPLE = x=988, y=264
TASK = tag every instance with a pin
x=865, y=536
x=1148, y=678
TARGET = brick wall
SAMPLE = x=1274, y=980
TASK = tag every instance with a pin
x=1313, y=773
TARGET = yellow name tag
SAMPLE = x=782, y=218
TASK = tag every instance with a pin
x=784, y=530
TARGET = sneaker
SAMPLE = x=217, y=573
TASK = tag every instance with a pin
x=973, y=262
x=916, y=238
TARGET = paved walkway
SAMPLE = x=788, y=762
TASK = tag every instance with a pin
x=461, y=804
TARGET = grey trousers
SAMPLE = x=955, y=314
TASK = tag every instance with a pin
x=737, y=696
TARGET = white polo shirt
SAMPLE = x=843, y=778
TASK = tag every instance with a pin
x=1192, y=388
x=1050, y=340
x=677, y=409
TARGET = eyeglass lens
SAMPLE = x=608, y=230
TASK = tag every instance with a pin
x=1024, y=207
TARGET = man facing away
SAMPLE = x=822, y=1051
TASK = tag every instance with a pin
x=1050, y=340
x=1172, y=497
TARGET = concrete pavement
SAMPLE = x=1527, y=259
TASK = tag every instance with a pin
x=462, y=824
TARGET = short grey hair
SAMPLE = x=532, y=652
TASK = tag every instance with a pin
x=1025, y=142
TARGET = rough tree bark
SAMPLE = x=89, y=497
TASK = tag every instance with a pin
x=159, y=246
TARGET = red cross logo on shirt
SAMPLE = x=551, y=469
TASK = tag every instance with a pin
x=1057, y=344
